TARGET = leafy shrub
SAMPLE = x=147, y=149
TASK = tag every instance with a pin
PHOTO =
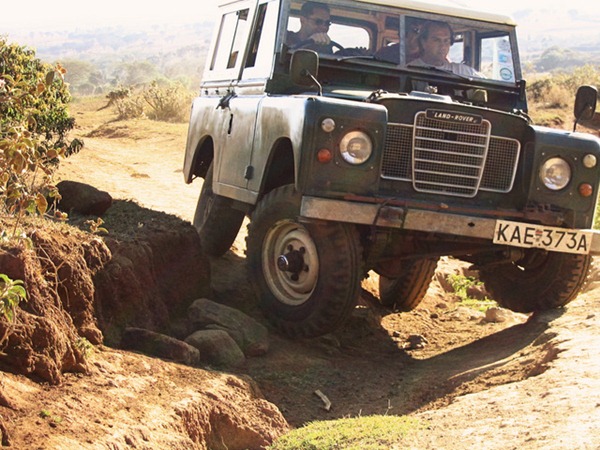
x=558, y=90
x=128, y=106
x=34, y=123
x=167, y=102
x=12, y=293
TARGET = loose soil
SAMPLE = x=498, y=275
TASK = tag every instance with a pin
x=526, y=382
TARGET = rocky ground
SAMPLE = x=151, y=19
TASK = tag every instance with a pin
x=495, y=382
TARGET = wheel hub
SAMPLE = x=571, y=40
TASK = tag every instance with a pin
x=293, y=262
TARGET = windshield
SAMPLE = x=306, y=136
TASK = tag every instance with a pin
x=404, y=38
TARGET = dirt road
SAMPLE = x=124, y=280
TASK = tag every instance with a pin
x=526, y=383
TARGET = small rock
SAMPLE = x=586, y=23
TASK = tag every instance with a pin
x=464, y=313
x=442, y=279
x=217, y=348
x=414, y=342
x=477, y=291
x=498, y=315
x=159, y=345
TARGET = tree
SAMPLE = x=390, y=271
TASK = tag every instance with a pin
x=556, y=57
x=34, y=123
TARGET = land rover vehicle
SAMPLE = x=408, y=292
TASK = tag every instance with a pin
x=346, y=163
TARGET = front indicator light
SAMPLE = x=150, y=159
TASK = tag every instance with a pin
x=589, y=161
x=356, y=147
x=328, y=125
x=586, y=190
x=324, y=156
x=555, y=173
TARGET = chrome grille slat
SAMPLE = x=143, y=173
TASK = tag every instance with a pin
x=449, y=139
x=450, y=158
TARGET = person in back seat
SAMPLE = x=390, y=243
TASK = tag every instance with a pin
x=391, y=52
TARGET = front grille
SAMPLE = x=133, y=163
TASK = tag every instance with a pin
x=449, y=158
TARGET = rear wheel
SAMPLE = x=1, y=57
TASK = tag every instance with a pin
x=405, y=292
x=306, y=275
x=215, y=220
x=539, y=281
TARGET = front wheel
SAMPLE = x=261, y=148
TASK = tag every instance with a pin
x=538, y=282
x=215, y=220
x=306, y=275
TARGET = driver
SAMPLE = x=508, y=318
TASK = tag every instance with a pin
x=314, y=25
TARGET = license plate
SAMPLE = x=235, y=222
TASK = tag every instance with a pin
x=540, y=236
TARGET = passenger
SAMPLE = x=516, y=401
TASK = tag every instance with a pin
x=391, y=52
x=435, y=40
x=314, y=25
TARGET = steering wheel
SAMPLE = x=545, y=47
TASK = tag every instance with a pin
x=309, y=43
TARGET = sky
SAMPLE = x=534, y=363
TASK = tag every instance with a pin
x=49, y=15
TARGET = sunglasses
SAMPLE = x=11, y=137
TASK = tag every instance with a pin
x=320, y=22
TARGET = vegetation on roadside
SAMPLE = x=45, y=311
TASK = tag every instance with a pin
x=166, y=101
x=34, y=123
x=465, y=287
x=12, y=293
x=360, y=433
x=552, y=96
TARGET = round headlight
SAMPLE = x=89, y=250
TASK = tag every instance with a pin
x=356, y=147
x=555, y=173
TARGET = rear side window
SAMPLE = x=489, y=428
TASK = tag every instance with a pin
x=230, y=40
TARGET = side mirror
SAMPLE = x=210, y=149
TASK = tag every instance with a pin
x=585, y=103
x=303, y=67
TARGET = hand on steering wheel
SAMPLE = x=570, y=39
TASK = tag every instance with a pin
x=308, y=43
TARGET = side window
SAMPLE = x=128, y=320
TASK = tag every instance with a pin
x=261, y=53
x=230, y=40
x=497, y=59
x=348, y=35
x=262, y=12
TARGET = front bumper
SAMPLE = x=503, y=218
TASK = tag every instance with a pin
x=382, y=215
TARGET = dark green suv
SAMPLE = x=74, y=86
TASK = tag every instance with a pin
x=348, y=160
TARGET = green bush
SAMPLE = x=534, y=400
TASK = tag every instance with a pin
x=166, y=102
x=128, y=105
x=12, y=293
x=169, y=103
x=558, y=90
x=34, y=123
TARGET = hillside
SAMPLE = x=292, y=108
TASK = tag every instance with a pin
x=124, y=55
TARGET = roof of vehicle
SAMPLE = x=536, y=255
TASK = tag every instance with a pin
x=446, y=7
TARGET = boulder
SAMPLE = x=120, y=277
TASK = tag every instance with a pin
x=250, y=336
x=216, y=347
x=83, y=198
x=160, y=345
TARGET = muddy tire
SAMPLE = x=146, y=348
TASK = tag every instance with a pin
x=539, y=282
x=406, y=292
x=306, y=275
x=215, y=220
